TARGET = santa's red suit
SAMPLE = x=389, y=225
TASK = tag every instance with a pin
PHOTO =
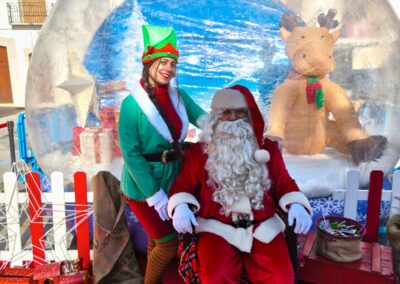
x=224, y=248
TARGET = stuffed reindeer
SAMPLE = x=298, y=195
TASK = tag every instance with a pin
x=309, y=111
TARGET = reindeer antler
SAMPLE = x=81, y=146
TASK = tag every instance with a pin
x=327, y=21
x=290, y=22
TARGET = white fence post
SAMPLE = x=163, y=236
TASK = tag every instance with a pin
x=351, y=194
x=395, y=205
x=12, y=215
x=59, y=222
x=58, y=198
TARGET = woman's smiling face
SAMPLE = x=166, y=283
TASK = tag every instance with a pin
x=162, y=71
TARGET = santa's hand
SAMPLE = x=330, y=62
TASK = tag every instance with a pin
x=303, y=219
x=159, y=201
x=183, y=219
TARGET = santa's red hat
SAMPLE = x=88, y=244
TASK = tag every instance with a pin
x=239, y=96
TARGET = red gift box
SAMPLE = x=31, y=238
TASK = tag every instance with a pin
x=117, y=148
x=192, y=135
x=76, y=142
x=96, y=145
x=107, y=117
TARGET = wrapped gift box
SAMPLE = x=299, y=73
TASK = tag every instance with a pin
x=107, y=117
x=76, y=141
x=96, y=145
x=117, y=148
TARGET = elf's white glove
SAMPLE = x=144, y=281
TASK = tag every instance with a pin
x=159, y=201
x=183, y=218
x=303, y=219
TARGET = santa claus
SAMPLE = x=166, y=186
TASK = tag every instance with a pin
x=229, y=187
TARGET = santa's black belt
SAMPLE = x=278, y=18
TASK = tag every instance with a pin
x=243, y=221
x=165, y=157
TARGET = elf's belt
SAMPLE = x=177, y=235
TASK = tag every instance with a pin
x=168, y=156
x=165, y=157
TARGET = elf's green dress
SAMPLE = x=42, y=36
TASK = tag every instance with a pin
x=142, y=130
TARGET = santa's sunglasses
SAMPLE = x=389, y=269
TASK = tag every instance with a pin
x=237, y=113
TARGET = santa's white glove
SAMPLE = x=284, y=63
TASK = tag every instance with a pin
x=303, y=219
x=183, y=219
x=159, y=201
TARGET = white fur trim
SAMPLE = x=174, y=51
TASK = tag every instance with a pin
x=156, y=197
x=152, y=114
x=238, y=237
x=242, y=205
x=179, y=198
x=294, y=197
x=202, y=120
x=228, y=99
x=269, y=229
x=261, y=156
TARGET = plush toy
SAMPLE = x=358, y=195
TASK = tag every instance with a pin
x=309, y=111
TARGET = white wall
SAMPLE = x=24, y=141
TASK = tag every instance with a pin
x=19, y=41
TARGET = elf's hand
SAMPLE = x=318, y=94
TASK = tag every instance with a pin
x=159, y=201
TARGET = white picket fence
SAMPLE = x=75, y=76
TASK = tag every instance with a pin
x=58, y=198
x=352, y=194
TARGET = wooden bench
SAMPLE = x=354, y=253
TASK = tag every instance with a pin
x=375, y=266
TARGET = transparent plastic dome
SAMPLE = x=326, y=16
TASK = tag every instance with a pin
x=86, y=60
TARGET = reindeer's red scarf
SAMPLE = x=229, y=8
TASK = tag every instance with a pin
x=314, y=91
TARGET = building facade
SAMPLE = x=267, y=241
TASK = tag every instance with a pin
x=20, y=23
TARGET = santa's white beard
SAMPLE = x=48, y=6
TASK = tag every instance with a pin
x=231, y=167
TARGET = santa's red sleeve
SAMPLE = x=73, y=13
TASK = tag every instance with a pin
x=283, y=188
x=184, y=189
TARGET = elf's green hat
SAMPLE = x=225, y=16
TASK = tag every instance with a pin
x=158, y=42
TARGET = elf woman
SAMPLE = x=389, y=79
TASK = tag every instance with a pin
x=152, y=125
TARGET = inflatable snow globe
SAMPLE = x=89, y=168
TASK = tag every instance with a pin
x=336, y=109
x=86, y=61
x=341, y=114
